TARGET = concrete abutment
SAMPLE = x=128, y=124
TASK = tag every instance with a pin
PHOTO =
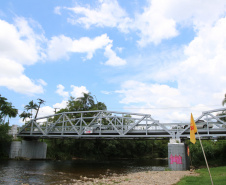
x=178, y=156
x=28, y=149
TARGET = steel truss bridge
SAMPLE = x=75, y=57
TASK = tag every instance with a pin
x=111, y=125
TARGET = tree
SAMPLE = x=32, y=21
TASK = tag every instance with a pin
x=87, y=101
x=5, y=140
x=25, y=115
x=6, y=109
x=224, y=100
x=31, y=105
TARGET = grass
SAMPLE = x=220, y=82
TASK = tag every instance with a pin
x=218, y=175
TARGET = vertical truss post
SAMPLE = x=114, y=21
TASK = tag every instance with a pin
x=46, y=125
x=122, y=122
x=62, y=131
x=32, y=125
x=81, y=120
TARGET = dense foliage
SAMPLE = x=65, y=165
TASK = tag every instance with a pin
x=6, y=110
x=105, y=149
x=214, y=150
x=5, y=140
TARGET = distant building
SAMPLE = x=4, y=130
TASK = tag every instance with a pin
x=13, y=131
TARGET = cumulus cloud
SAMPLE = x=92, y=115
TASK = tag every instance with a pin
x=45, y=111
x=59, y=47
x=200, y=79
x=62, y=46
x=19, y=42
x=19, y=46
x=113, y=59
x=61, y=92
x=108, y=13
x=159, y=19
x=60, y=105
x=12, y=77
x=78, y=91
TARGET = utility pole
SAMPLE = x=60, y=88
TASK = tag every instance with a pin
x=56, y=109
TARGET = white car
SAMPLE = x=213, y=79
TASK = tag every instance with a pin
x=201, y=124
x=97, y=126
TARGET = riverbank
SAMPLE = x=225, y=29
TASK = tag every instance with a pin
x=141, y=178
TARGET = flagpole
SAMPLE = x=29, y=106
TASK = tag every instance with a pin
x=205, y=158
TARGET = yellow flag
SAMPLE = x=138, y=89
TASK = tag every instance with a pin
x=193, y=130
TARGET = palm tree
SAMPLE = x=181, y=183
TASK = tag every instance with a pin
x=87, y=101
x=6, y=109
x=224, y=100
x=31, y=105
x=25, y=115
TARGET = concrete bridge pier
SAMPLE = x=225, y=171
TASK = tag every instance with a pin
x=178, y=155
x=33, y=149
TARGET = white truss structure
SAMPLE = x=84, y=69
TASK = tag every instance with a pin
x=111, y=124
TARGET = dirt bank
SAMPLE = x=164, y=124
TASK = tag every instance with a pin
x=149, y=177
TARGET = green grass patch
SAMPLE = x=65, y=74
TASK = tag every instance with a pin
x=218, y=175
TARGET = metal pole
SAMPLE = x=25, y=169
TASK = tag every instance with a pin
x=205, y=158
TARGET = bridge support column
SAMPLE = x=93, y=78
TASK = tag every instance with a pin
x=28, y=149
x=15, y=149
x=178, y=159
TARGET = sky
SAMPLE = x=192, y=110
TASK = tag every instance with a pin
x=160, y=57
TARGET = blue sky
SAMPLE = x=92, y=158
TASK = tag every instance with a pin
x=161, y=57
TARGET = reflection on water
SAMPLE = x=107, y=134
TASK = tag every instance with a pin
x=64, y=172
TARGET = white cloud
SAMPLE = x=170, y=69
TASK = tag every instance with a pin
x=163, y=102
x=45, y=111
x=12, y=77
x=106, y=92
x=19, y=45
x=153, y=26
x=19, y=42
x=137, y=92
x=89, y=46
x=62, y=46
x=158, y=21
x=42, y=82
x=200, y=79
x=57, y=10
x=58, y=47
x=61, y=105
x=61, y=92
x=113, y=59
x=78, y=91
x=108, y=13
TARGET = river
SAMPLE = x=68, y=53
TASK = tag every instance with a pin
x=66, y=172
